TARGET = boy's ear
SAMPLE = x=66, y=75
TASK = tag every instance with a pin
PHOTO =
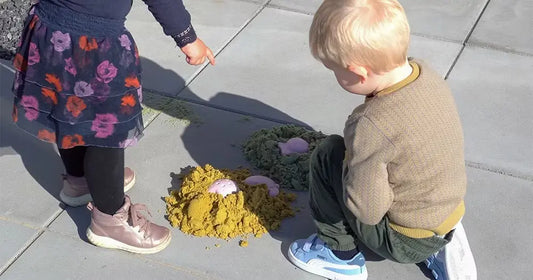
x=361, y=71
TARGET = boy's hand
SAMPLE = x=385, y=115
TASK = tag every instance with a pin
x=196, y=53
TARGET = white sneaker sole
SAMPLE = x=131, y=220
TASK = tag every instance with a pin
x=326, y=273
x=107, y=242
x=459, y=261
x=75, y=201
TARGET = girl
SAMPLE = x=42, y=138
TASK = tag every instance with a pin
x=78, y=85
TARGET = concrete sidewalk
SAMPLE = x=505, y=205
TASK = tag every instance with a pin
x=265, y=76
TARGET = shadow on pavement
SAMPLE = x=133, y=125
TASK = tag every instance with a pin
x=40, y=159
x=196, y=139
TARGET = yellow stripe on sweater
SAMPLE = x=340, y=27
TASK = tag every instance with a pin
x=442, y=229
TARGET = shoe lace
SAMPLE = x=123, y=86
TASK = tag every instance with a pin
x=138, y=220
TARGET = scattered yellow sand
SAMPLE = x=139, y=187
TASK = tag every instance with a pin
x=250, y=211
x=243, y=243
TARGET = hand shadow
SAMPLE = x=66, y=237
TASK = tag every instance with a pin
x=216, y=150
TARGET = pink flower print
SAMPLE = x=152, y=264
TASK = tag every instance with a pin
x=106, y=72
x=125, y=42
x=31, y=106
x=104, y=125
x=33, y=56
x=70, y=67
x=83, y=89
x=104, y=46
x=61, y=41
x=140, y=93
x=18, y=80
x=101, y=90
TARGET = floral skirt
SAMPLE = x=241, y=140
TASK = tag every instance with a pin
x=78, y=80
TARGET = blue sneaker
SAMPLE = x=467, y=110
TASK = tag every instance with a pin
x=313, y=255
x=437, y=267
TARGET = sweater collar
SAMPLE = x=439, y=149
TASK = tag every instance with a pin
x=397, y=86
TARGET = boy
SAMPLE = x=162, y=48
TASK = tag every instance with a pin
x=396, y=181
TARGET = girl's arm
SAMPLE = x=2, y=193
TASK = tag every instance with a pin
x=176, y=22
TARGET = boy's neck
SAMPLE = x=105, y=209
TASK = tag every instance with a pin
x=394, y=76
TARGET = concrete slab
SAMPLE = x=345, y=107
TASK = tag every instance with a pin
x=440, y=55
x=29, y=168
x=54, y=256
x=214, y=137
x=498, y=209
x=450, y=20
x=494, y=100
x=303, y=6
x=160, y=56
x=288, y=77
x=506, y=25
x=488, y=197
x=13, y=237
x=283, y=77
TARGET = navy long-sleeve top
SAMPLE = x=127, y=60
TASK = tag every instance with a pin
x=171, y=14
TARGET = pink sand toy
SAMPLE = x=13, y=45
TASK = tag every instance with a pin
x=273, y=188
x=293, y=146
x=223, y=187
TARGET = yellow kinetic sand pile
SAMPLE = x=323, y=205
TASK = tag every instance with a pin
x=251, y=210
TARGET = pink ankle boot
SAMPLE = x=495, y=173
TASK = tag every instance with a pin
x=75, y=191
x=127, y=230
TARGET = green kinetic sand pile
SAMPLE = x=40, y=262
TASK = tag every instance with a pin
x=290, y=171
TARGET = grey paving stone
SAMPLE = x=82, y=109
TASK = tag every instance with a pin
x=498, y=211
x=438, y=54
x=494, y=100
x=54, y=256
x=172, y=144
x=215, y=21
x=29, y=168
x=289, y=78
x=304, y=6
x=450, y=20
x=13, y=237
x=507, y=25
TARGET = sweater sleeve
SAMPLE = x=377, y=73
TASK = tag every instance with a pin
x=367, y=193
x=174, y=18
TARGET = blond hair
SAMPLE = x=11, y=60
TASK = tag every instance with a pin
x=371, y=33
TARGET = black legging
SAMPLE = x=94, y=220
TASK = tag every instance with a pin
x=104, y=170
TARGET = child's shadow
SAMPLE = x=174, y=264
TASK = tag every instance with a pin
x=220, y=150
x=40, y=159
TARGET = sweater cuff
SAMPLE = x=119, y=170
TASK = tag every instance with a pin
x=185, y=37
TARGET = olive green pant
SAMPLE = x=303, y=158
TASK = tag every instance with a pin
x=339, y=228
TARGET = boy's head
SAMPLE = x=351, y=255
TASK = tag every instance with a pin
x=369, y=33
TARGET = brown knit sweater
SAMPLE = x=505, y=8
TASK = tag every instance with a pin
x=404, y=157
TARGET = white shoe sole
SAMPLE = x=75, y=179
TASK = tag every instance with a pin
x=459, y=261
x=107, y=242
x=326, y=273
x=75, y=201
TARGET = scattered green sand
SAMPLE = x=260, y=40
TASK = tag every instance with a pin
x=177, y=109
x=290, y=171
